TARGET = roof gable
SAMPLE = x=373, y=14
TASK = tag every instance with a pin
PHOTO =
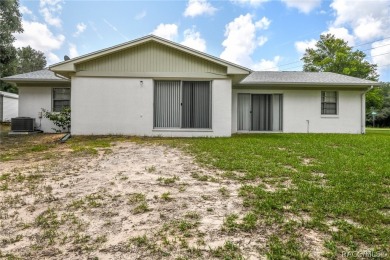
x=140, y=49
x=151, y=57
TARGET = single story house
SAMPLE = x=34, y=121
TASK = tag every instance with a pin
x=155, y=87
x=8, y=106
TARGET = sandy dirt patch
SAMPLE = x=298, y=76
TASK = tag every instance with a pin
x=131, y=201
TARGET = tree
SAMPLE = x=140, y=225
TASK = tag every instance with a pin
x=30, y=60
x=334, y=55
x=10, y=22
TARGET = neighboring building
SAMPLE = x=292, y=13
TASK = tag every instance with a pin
x=8, y=106
x=155, y=87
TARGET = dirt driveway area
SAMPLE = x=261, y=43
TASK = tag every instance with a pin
x=129, y=201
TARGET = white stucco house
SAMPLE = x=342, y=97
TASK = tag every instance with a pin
x=8, y=106
x=155, y=87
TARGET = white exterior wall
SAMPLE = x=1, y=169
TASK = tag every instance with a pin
x=31, y=102
x=103, y=106
x=302, y=105
x=9, y=108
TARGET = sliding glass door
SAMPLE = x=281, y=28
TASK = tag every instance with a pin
x=182, y=104
x=259, y=112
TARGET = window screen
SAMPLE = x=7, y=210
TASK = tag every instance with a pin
x=61, y=99
x=329, y=103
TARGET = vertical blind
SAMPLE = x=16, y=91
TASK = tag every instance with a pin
x=196, y=104
x=259, y=112
x=182, y=104
x=167, y=104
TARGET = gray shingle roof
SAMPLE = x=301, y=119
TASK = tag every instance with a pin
x=303, y=78
x=39, y=75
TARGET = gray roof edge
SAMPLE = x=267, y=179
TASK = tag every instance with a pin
x=252, y=83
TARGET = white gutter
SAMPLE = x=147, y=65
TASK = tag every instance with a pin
x=363, y=111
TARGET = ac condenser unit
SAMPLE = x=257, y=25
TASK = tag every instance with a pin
x=22, y=124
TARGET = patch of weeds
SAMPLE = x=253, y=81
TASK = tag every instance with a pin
x=205, y=197
x=192, y=215
x=39, y=148
x=228, y=251
x=136, y=198
x=199, y=176
x=145, y=243
x=224, y=192
x=230, y=223
x=249, y=222
x=168, y=181
x=141, y=208
x=49, y=223
x=11, y=240
x=5, y=177
x=77, y=204
x=4, y=187
x=94, y=200
x=151, y=169
x=290, y=249
x=166, y=196
x=333, y=251
x=140, y=241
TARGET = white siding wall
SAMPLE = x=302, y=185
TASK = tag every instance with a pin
x=125, y=106
x=31, y=102
x=302, y=105
x=9, y=108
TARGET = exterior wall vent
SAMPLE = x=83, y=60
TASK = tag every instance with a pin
x=22, y=124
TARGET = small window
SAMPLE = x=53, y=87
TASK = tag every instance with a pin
x=328, y=103
x=61, y=99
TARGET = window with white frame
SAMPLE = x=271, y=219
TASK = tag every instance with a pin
x=182, y=104
x=61, y=99
x=329, y=103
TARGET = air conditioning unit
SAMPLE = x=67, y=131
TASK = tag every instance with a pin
x=22, y=124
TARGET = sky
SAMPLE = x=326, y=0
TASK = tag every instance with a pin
x=258, y=34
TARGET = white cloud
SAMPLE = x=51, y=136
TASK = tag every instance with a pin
x=341, y=33
x=263, y=23
x=254, y=3
x=267, y=65
x=52, y=58
x=301, y=46
x=50, y=10
x=303, y=6
x=242, y=39
x=261, y=40
x=73, y=51
x=368, y=28
x=80, y=28
x=368, y=20
x=24, y=10
x=167, y=31
x=380, y=54
x=193, y=40
x=140, y=15
x=199, y=7
x=39, y=37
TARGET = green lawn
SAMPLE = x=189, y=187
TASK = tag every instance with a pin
x=337, y=185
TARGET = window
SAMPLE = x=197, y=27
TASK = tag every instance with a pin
x=182, y=104
x=61, y=99
x=328, y=103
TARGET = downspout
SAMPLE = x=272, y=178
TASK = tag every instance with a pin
x=363, y=111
